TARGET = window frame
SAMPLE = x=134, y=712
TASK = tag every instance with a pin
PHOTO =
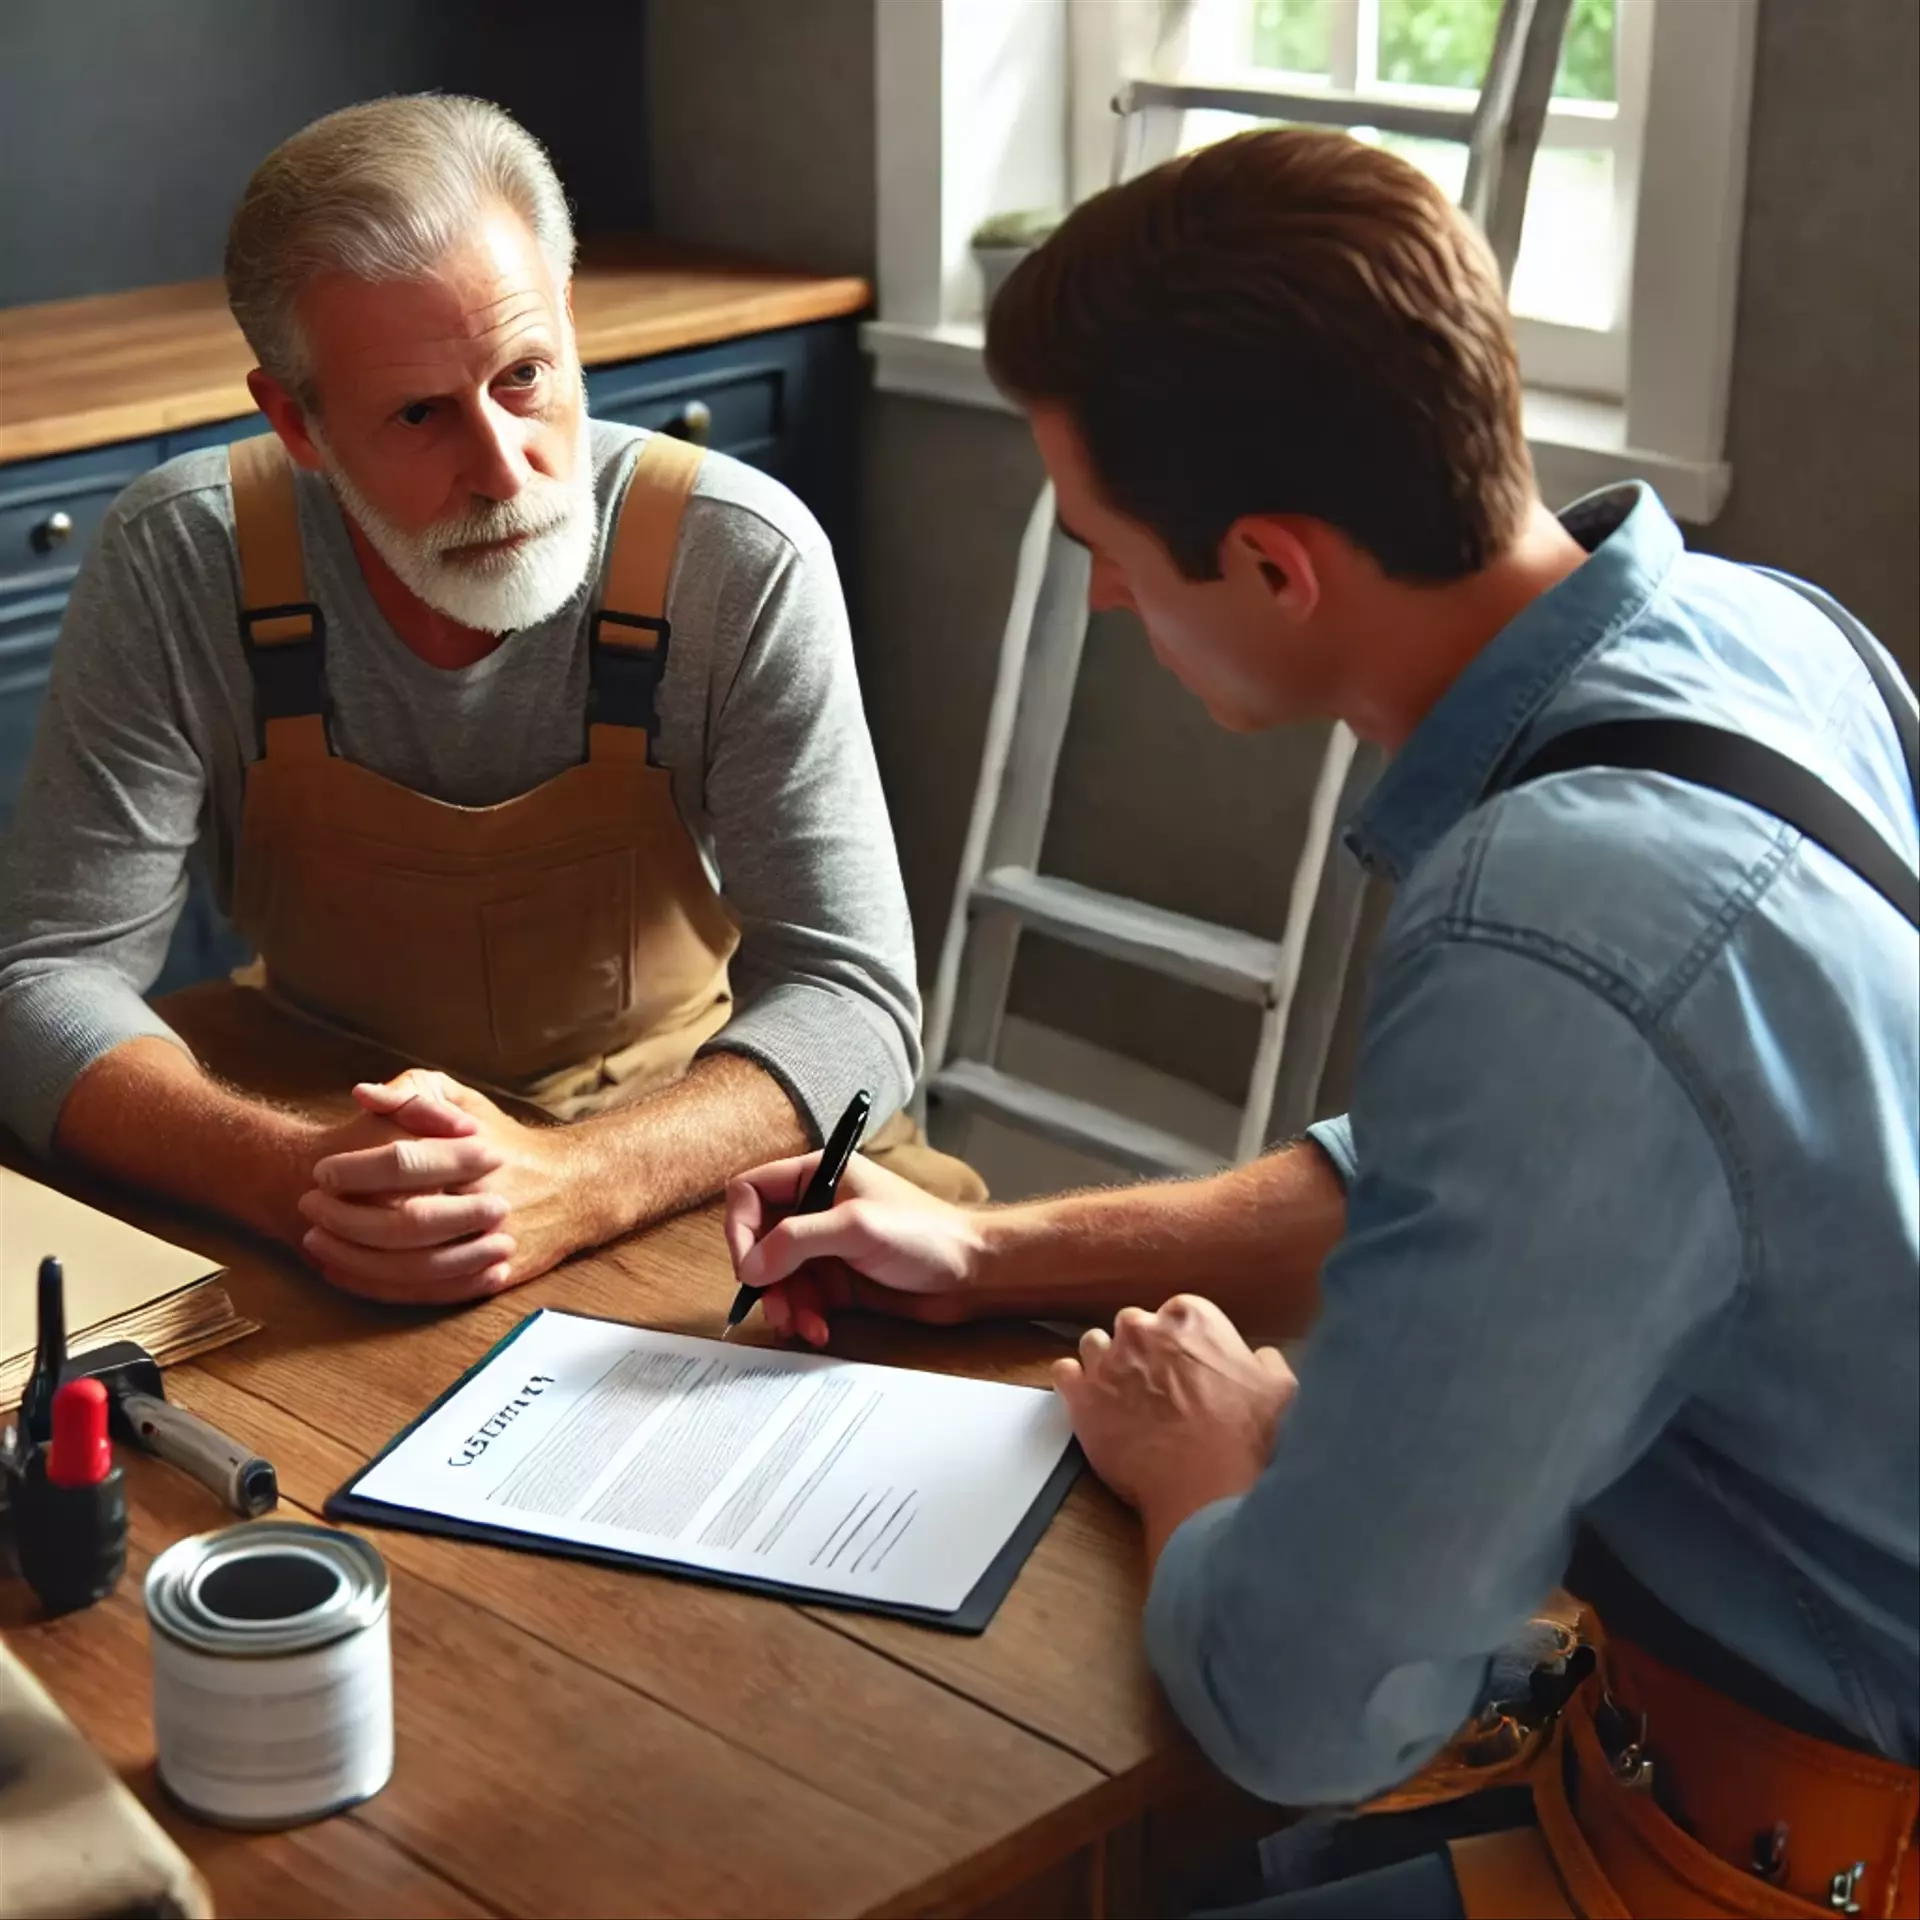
x=976, y=114
x=1563, y=355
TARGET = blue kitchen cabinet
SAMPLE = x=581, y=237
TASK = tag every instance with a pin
x=49, y=511
x=783, y=401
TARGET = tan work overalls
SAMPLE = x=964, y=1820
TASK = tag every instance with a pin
x=1657, y=1798
x=565, y=948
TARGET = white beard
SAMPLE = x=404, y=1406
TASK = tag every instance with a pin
x=493, y=593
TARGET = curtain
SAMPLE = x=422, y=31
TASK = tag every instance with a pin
x=1109, y=41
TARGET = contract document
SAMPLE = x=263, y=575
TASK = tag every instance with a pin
x=820, y=1478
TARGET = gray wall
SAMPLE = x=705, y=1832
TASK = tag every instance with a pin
x=761, y=117
x=128, y=127
x=1825, y=421
x=760, y=129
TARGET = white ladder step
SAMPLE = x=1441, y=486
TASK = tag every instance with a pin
x=1224, y=959
x=974, y=1085
x=1317, y=106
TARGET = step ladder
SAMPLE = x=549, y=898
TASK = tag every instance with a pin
x=1000, y=889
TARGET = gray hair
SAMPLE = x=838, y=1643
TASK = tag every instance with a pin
x=381, y=192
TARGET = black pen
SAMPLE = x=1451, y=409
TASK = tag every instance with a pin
x=821, y=1189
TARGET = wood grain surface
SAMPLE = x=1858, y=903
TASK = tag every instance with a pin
x=119, y=366
x=587, y=1740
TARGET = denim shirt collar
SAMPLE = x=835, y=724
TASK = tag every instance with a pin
x=1441, y=772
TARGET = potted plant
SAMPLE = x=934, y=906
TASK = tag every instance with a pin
x=1003, y=240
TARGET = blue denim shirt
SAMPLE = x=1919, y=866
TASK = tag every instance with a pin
x=1633, y=1229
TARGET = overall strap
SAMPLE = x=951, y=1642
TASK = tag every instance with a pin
x=281, y=630
x=628, y=640
x=1743, y=769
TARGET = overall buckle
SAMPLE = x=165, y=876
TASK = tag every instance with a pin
x=289, y=676
x=624, y=682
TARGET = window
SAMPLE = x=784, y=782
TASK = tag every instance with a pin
x=1624, y=288
x=1571, y=282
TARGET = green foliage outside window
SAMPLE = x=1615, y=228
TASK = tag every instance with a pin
x=1435, y=43
x=1292, y=34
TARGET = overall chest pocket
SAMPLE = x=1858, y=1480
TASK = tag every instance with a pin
x=558, y=961
x=495, y=975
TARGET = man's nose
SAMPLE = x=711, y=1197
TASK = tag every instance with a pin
x=496, y=463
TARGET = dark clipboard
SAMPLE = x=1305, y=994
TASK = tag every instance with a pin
x=971, y=1616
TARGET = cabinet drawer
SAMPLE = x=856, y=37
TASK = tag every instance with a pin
x=216, y=433
x=785, y=402
x=733, y=405
x=51, y=509
x=19, y=714
x=27, y=634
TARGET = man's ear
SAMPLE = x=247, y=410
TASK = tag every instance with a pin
x=286, y=417
x=1269, y=549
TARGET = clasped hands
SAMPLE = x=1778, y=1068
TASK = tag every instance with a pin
x=432, y=1195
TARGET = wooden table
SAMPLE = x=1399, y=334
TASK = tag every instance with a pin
x=579, y=1740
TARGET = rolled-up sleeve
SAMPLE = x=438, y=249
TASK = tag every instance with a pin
x=1334, y=1138
x=1496, y=1347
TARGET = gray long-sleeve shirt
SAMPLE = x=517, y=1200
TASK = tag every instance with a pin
x=148, y=730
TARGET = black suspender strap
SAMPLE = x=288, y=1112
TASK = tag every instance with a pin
x=1743, y=769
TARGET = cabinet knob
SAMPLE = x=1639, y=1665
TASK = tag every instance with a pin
x=54, y=531
x=693, y=422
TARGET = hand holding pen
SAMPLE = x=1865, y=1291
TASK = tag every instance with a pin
x=887, y=1247
x=821, y=1190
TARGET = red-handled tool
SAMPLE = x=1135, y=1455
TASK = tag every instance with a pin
x=69, y=1501
x=79, y=1455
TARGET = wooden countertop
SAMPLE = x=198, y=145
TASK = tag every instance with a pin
x=118, y=366
x=584, y=1739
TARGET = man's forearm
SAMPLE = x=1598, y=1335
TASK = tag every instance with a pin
x=1252, y=1241
x=659, y=1156
x=147, y=1115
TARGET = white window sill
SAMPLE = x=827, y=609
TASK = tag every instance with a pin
x=1578, y=443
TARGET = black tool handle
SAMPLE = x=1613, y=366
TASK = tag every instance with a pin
x=49, y=1357
x=71, y=1541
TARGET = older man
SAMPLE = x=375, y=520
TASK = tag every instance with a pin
x=477, y=705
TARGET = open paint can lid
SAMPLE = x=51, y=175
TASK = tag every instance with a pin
x=269, y=1587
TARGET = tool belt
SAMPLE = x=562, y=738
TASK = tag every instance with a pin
x=1656, y=1797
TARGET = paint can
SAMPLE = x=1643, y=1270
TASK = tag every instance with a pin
x=272, y=1673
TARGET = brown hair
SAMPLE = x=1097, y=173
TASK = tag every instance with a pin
x=1288, y=322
